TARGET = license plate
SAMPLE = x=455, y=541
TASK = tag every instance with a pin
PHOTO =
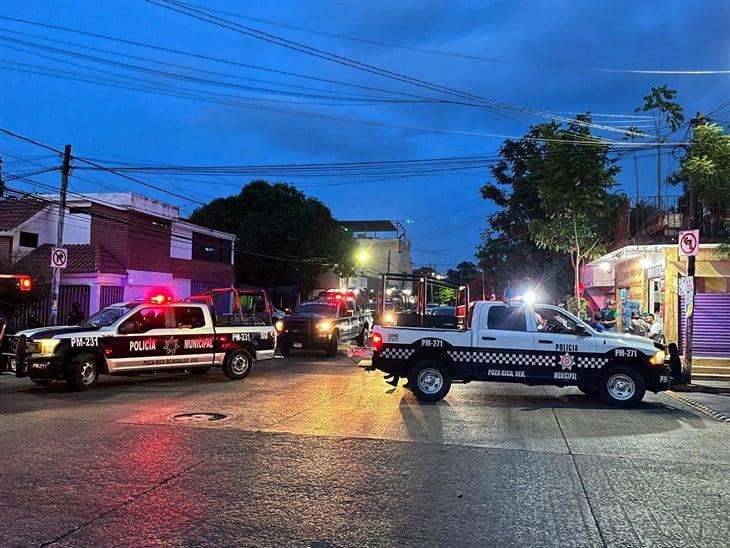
x=296, y=345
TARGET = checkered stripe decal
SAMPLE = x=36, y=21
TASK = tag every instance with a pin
x=502, y=358
x=592, y=362
x=397, y=353
x=524, y=359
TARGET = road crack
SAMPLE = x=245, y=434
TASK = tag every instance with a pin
x=130, y=500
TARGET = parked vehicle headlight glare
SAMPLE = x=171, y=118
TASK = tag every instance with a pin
x=47, y=346
x=658, y=358
x=279, y=326
x=324, y=326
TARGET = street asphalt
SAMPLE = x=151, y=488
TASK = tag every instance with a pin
x=317, y=452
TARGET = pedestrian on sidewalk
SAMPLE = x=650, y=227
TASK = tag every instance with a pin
x=637, y=326
x=609, y=316
x=656, y=328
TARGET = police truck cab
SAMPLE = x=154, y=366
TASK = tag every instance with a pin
x=533, y=344
x=134, y=338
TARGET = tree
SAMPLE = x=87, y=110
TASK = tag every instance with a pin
x=466, y=273
x=667, y=114
x=560, y=199
x=282, y=236
x=707, y=168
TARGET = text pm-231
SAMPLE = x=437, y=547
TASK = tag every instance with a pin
x=528, y=344
x=135, y=338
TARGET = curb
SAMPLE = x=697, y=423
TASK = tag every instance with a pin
x=699, y=407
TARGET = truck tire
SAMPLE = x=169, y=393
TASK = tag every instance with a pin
x=238, y=365
x=333, y=345
x=363, y=337
x=82, y=372
x=429, y=380
x=285, y=349
x=591, y=391
x=622, y=386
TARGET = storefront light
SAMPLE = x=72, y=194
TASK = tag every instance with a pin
x=605, y=266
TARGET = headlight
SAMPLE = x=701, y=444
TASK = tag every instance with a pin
x=658, y=358
x=388, y=318
x=47, y=346
x=279, y=326
x=324, y=326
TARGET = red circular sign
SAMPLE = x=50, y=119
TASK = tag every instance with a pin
x=688, y=243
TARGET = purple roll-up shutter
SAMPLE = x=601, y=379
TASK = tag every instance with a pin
x=711, y=325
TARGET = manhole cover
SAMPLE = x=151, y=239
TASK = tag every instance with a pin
x=198, y=417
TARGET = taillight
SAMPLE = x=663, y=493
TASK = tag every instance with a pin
x=376, y=341
x=25, y=283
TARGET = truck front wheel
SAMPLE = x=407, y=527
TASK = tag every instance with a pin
x=82, y=372
x=333, y=345
x=238, y=365
x=622, y=386
x=429, y=380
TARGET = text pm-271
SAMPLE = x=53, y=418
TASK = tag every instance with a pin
x=528, y=344
x=135, y=338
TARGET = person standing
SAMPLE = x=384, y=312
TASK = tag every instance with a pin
x=637, y=326
x=609, y=316
x=596, y=324
x=76, y=316
x=656, y=328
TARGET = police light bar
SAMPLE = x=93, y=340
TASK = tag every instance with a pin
x=160, y=299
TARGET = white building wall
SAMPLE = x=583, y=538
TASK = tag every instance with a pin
x=76, y=229
x=181, y=244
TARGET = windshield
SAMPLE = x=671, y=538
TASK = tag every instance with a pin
x=106, y=316
x=323, y=309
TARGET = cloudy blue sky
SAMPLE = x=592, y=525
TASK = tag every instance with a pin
x=534, y=55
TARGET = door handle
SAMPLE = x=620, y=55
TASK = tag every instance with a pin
x=545, y=341
x=486, y=338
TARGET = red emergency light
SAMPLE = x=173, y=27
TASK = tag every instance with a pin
x=25, y=283
x=160, y=299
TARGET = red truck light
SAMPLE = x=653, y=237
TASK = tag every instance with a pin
x=25, y=283
x=376, y=341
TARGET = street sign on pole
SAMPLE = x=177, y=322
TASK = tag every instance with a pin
x=689, y=243
x=59, y=257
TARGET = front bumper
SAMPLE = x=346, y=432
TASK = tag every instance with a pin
x=39, y=367
x=301, y=340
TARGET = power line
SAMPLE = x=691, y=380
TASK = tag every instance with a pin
x=455, y=54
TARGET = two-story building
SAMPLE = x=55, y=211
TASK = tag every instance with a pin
x=121, y=246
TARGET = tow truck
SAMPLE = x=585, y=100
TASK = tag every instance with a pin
x=532, y=344
x=324, y=322
x=134, y=338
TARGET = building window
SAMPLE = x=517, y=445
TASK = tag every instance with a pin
x=28, y=239
x=210, y=248
x=161, y=225
x=79, y=210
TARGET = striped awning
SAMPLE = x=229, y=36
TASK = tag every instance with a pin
x=705, y=269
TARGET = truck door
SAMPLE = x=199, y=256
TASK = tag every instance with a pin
x=194, y=334
x=143, y=341
x=505, y=344
x=557, y=335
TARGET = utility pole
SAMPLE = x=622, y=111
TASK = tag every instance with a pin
x=388, y=270
x=658, y=168
x=65, y=170
x=692, y=221
x=2, y=184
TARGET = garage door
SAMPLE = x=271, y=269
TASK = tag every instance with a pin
x=711, y=336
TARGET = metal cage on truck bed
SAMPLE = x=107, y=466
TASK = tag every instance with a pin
x=408, y=300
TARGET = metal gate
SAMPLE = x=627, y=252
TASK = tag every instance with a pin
x=70, y=294
x=711, y=334
x=110, y=294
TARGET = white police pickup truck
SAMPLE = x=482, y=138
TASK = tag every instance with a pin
x=528, y=344
x=135, y=338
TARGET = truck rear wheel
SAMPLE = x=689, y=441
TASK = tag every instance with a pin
x=333, y=345
x=429, y=380
x=622, y=386
x=238, y=365
x=82, y=372
x=363, y=337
